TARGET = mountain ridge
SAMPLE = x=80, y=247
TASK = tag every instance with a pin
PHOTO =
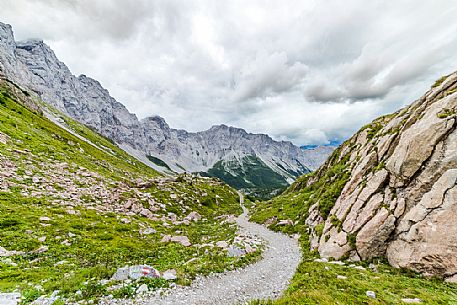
x=34, y=65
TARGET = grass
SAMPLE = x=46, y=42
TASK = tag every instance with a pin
x=158, y=162
x=100, y=240
x=317, y=283
x=445, y=113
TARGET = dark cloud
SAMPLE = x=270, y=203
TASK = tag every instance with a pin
x=306, y=71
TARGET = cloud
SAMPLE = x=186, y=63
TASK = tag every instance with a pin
x=267, y=75
x=306, y=71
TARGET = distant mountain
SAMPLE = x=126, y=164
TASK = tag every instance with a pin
x=332, y=143
x=316, y=155
x=222, y=151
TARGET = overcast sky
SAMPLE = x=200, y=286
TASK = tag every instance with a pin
x=305, y=71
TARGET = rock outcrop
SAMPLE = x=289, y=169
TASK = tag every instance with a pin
x=33, y=65
x=400, y=200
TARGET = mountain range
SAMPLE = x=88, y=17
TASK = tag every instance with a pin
x=244, y=160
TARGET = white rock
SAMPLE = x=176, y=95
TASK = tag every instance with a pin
x=169, y=275
x=222, y=244
x=12, y=298
x=371, y=294
x=341, y=277
x=142, y=289
x=411, y=301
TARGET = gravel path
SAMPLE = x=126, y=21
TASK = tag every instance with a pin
x=262, y=280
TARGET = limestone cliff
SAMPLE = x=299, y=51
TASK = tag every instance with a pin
x=400, y=198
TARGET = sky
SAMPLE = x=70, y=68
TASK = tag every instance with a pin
x=305, y=71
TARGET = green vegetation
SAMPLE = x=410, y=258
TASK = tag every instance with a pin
x=100, y=244
x=317, y=283
x=373, y=128
x=158, y=162
x=295, y=202
x=88, y=244
x=253, y=176
x=445, y=113
x=440, y=81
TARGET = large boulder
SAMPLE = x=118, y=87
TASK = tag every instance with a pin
x=400, y=200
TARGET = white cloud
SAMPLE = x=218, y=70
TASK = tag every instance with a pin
x=308, y=71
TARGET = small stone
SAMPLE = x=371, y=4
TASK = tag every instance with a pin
x=222, y=244
x=142, y=289
x=235, y=251
x=42, y=239
x=165, y=239
x=41, y=249
x=337, y=263
x=125, y=220
x=193, y=216
x=8, y=261
x=121, y=274
x=71, y=235
x=371, y=294
x=148, y=231
x=452, y=279
x=412, y=301
x=286, y=222
x=169, y=275
x=341, y=277
x=183, y=240
x=66, y=242
x=360, y=268
x=11, y=298
x=373, y=267
x=45, y=218
x=321, y=260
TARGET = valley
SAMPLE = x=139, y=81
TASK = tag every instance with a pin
x=100, y=207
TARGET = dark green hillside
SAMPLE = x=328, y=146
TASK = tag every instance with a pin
x=252, y=175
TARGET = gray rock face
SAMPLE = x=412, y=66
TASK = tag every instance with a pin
x=32, y=64
x=401, y=198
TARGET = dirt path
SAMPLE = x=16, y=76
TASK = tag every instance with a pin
x=262, y=280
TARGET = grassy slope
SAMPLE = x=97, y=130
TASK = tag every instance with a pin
x=314, y=283
x=101, y=242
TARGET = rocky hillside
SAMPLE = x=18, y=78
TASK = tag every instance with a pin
x=74, y=208
x=34, y=65
x=389, y=191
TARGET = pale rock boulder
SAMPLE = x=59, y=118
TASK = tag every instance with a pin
x=427, y=232
x=400, y=201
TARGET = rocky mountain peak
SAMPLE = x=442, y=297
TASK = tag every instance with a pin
x=34, y=65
